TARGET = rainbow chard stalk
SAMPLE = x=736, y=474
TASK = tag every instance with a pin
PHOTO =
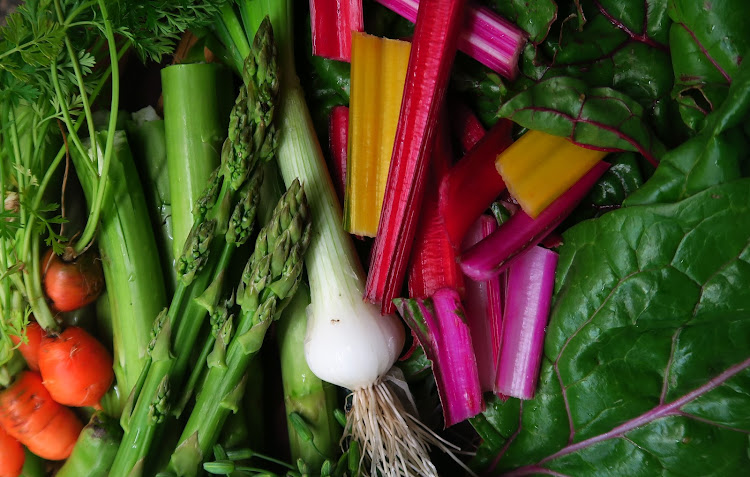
x=493, y=254
x=486, y=36
x=432, y=53
x=531, y=280
x=332, y=23
x=484, y=310
x=441, y=327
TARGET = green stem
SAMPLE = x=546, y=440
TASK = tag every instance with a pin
x=197, y=98
x=185, y=316
x=17, y=159
x=95, y=448
x=234, y=27
x=148, y=143
x=130, y=260
x=77, y=11
x=238, y=455
x=30, y=285
x=39, y=139
x=49, y=174
x=5, y=302
x=18, y=48
x=35, y=294
x=93, y=221
x=28, y=231
x=54, y=75
x=187, y=330
x=78, y=73
x=195, y=375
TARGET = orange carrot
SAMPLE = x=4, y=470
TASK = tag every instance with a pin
x=30, y=349
x=72, y=284
x=76, y=368
x=29, y=414
x=11, y=455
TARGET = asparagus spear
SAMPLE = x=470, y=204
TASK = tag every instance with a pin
x=205, y=256
x=270, y=279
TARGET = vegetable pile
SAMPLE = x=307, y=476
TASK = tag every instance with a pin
x=374, y=237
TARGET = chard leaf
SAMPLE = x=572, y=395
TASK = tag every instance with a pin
x=647, y=356
x=623, y=178
x=535, y=17
x=708, y=40
x=620, y=180
x=714, y=156
x=617, y=44
x=602, y=118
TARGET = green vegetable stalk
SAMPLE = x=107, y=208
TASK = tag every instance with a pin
x=236, y=432
x=195, y=111
x=95, y=449
x=305, y=395
x=270, y=279
x=135, y=284
x=147, y=139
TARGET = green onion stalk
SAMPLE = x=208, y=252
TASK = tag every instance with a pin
x=269, y=281
x=223, y=220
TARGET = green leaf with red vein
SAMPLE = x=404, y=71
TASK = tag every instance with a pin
x=617, y=44
x=602, y=118
x=647, y=357
x=708, y=40
x=718, y=154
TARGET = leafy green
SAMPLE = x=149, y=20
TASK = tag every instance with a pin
x=154, y=26
x=708, y=41
x=623, y=178
x=482, y=88
x=615, y=44
x=646, y=364
x=535, y=17
x=714, y=156
x=31, y=38
x=600, y=117
x=620, y=180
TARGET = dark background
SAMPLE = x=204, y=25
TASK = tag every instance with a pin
x=7, y=6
